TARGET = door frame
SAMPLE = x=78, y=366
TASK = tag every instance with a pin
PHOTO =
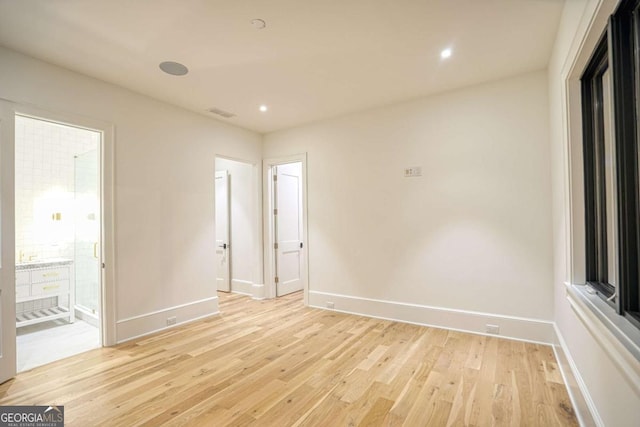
x=257, y=285
x=227, y=238
x=7, y=242
x=268, y=228
x=107, y=232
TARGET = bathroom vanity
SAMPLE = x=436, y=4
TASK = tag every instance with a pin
x=44, y=291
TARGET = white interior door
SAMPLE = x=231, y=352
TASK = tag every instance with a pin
x=289, y=257
x=7, y=244
x=222, y=232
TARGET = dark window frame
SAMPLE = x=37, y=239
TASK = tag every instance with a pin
x=594, y=182
x=619, y=50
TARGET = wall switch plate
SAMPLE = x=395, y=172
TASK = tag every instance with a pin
x=330, y=304
x=493, y=329
x=171, y=320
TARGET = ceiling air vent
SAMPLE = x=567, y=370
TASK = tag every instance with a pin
x=222, y=113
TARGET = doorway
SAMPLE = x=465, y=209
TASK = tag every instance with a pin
x=58, y=240
x=286, y=245
x=237, y=226
x=223, y=215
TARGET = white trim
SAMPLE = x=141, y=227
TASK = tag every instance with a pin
x=267, y=203
x=256, y=208
x=108, y=309
x=8, y=366
x=244, y=287
x=165, y=310
x=258, y=291
x=592, y=24
x=590, y=27
x=107, y=304
x=85, y=315
x=145, y=334
x=612, y=345
x=619, y=327
x=517, y=328
x=148, y=323
x=581, y=400
x=585, y=26
x=236, y=159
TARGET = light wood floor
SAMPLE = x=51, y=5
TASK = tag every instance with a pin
x=278, y=363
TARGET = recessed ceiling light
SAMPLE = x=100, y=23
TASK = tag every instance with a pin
x=263, y=108
x=258, y=24
x=174, y=68
x=445, y=53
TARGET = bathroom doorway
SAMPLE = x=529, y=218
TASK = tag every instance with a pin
x=58, y=240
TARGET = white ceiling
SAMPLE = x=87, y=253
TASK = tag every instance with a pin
x=315, y=59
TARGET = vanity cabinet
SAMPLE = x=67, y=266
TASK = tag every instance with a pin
x=38, y=281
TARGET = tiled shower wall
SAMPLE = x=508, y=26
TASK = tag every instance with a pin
x=45, y=185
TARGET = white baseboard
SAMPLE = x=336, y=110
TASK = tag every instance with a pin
x=145, y=324
x=578, y=393
x=258, y=291
x=85, y=316
x=242, y=286
x=523, y=329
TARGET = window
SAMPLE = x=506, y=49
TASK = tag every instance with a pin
x=610, y=112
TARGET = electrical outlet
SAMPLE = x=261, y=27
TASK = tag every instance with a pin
x=413, y=172
x=171, y=320
x=492, y=329
x=330, y=304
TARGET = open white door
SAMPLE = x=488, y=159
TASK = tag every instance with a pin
x=7, y=244
x=288, y=223
x=222, y=231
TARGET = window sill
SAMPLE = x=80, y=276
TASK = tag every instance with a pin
x=618, y=337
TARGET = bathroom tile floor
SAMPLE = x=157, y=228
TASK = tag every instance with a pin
x=50, y=341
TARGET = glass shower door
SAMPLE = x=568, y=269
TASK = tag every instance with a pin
x=87, y=236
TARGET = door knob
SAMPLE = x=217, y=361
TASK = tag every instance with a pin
x=223, y=246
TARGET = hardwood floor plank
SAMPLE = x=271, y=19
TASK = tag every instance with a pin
x=377, y=413
x=331, y=411
x=276, y=362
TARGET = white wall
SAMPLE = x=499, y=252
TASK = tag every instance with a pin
x=591, y=365
x=164, y=201
x=473, y=233
x=242, y=178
